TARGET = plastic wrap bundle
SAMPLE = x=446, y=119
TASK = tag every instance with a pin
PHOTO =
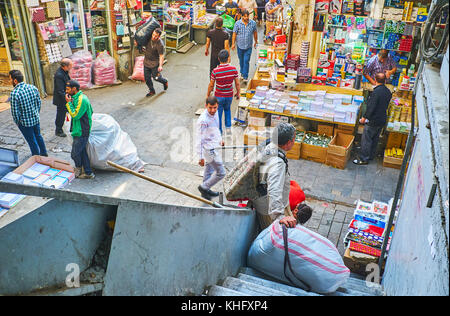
x=138, y=70
x=314, y=259
x=108, y=141
x=81, y=70
x=144, y=32
x=104, y=69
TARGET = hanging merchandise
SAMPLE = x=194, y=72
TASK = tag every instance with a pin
x=335, y=6
x=53, y=9
x=64, y=48
x=37, y=14
x=32, y=3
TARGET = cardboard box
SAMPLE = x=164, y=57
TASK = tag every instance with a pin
x=339, y=150
x=326, y=129
x=54, y=163
x=276, y=119
x=394, y=140
x=343, y=131
x=313, y=153
x=251, y=87
x=254, y=113
x=341, y=144
x=256, y=135
x=257, y=121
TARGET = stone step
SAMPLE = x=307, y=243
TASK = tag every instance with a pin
x=353, y=287
x=276, y=286
x=217, y=290
x=83, y=289
x=248, y=288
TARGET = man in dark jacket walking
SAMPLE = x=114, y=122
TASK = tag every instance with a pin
x=59, y=94
x=375, y=117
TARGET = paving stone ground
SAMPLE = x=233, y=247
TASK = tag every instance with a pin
x=162, y=129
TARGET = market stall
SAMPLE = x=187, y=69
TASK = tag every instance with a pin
x=320, y=87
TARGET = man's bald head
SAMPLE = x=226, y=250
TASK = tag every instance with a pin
x=380, y=78
x=66, y=64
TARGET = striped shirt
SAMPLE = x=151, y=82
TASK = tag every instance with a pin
x=25, y=105
x=244, y=33
x=224, y=75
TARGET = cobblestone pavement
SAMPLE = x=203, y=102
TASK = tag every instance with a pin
x=162, y=128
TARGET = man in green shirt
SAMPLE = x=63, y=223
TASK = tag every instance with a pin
x=80, y=110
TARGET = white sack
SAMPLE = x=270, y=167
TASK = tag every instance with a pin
x=107, y=141
x=314, y=259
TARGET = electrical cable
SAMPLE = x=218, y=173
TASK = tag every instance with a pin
x=428, y=49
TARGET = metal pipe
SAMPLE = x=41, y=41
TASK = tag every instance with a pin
x=34, y=54
x=399, y=184
x=112, y=164
x=21, y=33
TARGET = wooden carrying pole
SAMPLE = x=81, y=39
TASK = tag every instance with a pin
x=198, y=198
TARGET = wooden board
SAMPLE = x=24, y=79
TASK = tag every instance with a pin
x=185, y=48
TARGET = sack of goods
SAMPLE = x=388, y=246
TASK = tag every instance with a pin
x=108, y=141
x=104, y=69
x=138, y=70
x=81, y=70
x=144, y=32
x=316, y=263
x=242, y=182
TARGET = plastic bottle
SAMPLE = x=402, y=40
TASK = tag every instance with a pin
x=401, y=77
x=411, y=71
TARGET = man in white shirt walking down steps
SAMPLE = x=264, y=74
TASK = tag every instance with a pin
x=209, y=138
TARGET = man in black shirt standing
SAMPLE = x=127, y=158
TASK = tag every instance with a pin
x=218, y=39
x=375, y=119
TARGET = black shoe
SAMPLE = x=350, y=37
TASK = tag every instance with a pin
x=212, y=193
x=150, y=94
x=60, y=133
x=204, y=193
x=166, y=85
x=358, y=161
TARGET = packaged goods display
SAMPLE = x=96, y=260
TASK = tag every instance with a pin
x=104, y=69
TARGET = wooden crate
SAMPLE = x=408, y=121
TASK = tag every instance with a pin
x=395, y=140
x=392, y=162
x=326, y=129
x=313, y=153
x=294, y=153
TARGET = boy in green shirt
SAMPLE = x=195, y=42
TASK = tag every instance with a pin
x=80, y=110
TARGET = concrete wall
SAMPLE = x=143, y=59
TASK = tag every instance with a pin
x=170, y=250
x=36, y=248
x=418, y=261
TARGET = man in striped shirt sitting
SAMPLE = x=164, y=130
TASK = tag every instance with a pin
x=222, y=78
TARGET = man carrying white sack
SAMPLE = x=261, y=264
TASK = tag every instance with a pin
x=275, y=180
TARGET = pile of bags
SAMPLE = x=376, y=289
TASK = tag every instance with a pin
x=104, y=69
x=81, y=70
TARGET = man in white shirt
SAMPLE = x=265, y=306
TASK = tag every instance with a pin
x=250, y=6
x=209, y=138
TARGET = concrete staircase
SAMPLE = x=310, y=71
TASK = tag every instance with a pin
x=250, y=282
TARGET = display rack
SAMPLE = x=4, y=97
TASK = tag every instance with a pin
x=177, y=34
